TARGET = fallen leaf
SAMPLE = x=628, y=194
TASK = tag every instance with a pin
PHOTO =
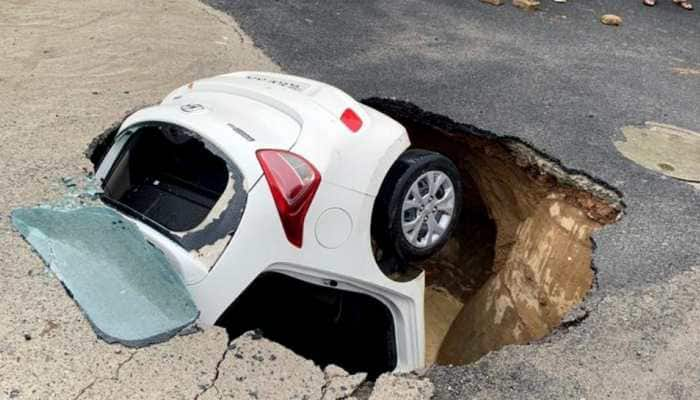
x=526, y=4
x=685, y=71
x=611, y=19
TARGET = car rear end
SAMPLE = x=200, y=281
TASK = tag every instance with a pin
x=183, y=170
x=281, y=177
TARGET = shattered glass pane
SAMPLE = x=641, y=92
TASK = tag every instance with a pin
x=124, y=285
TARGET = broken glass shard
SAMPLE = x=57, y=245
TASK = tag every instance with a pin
x=123, y=284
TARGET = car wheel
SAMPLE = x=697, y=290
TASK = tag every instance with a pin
x=418, y=205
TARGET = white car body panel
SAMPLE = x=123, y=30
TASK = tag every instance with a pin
x=297, y=114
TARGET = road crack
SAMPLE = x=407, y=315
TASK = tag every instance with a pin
x=121, y=364
x=114, y=377
x=212, y=384
x=85, y=389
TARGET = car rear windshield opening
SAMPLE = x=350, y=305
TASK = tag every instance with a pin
x=167, y=176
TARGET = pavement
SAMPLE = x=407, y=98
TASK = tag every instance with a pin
x=68, y=71
x=567, y=84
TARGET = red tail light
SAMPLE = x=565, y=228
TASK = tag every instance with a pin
x=351, y=120
x=293, y=182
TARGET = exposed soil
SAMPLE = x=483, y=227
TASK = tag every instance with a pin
x=520, y=258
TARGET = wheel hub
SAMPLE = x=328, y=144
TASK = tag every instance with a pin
x=427, y=209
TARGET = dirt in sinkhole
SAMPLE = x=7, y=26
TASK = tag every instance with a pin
x=520, y=257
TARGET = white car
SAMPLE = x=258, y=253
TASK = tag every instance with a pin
x=273, y=197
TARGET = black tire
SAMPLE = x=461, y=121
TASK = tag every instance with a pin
x=388, y=215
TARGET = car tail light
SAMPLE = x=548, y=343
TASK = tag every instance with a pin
x=293, y=182
x=351, y=120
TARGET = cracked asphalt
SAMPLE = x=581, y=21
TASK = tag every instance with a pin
x=556, y=78
x=567, y=84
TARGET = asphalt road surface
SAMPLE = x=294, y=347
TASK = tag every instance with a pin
x=564, y=82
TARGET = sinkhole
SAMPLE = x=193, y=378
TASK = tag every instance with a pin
x=520, y=257
x=518, y=261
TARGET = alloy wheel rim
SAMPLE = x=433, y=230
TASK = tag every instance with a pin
x=427, y=209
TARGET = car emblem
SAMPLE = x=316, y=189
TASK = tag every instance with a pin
x=192, y=108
